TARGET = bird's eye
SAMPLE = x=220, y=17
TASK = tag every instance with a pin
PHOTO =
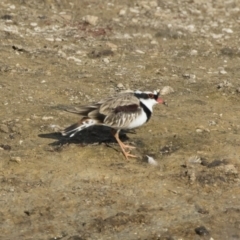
x=151, y=95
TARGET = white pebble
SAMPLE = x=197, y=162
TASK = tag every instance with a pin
x=12, y=7
x=45, y=118
x=193, y=52
x=154, y=42
x=166, y=90
x=216, y=36
x=113, y=47
x=106, y=60
x=194, y=159
x=222, y=71
x=151, y=161
x=62, y=54
x=77, y=60
x=50, y=39
x=212, y=123
x=33, y=24
x=58, y=39
x=227, y=30
x=120, y=86
x=15, y=159
x=55, y=127
x=191, y=28
x=140, y=51
x=122, y=12
x=91, y=19
x=133, y=10
x=201, y=129
x=153, y=3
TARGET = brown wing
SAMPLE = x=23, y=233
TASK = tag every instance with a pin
x=104, y=106
x=83, y=110
x=117, y=111
x=109, y=105
x=121, y=110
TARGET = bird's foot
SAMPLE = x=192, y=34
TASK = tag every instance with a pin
x=128, y=146
x=127, y=154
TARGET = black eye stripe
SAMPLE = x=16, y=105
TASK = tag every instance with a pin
x=156, y=97
x=146, y=95
x=142, y=95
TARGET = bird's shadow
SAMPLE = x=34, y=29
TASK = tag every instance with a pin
x=90, y=136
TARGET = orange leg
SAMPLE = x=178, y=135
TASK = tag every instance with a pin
x=122, y=145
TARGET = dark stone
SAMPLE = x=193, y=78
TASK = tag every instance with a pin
x=76, y=238
x=215, y=163
x=5, y=147
x=6, y=17
x=201, y=231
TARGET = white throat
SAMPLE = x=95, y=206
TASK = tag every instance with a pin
x=148, y=103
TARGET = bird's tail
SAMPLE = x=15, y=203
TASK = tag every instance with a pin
x=79, y=126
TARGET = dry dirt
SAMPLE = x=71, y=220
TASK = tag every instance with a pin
x=56, y=53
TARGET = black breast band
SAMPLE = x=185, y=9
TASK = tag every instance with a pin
x=146, y=110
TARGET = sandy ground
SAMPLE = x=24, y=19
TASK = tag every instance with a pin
x=56, y=53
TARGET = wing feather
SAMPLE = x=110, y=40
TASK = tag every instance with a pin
x=118, y=102
x=121, y=110
x=116, y=111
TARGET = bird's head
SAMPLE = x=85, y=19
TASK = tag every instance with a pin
x=149, y=99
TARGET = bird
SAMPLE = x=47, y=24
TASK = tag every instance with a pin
x=123, y=111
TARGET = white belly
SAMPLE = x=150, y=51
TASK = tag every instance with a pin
x=137, y=122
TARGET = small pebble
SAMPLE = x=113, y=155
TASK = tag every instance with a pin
x=225, y=83
x=193, y=52
x=189, y=76
x=154, y=42
x=106, y=60
x=33, y=24
x=166, y=90
x=91, y=19
x=77, y=60
x=66, y=17
x=153, y=4
x=194, y=159
x=201, y=129
x=140, y=51
x=133, y=10
x=151, y=161
x=50, y=39
x=45, y=118
x=120, y=86
x=122, y=12
x=12, y=7
x=212, y=123
x=216, y=36
x=15, y=159
x=5, y=147
x=229, y=168
x=59, y=39
x=223, y=71
x=4, y=128
x=227, y=30
x=112, y=46
x=55, y=128
x=201, y=231
x=62, y=54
